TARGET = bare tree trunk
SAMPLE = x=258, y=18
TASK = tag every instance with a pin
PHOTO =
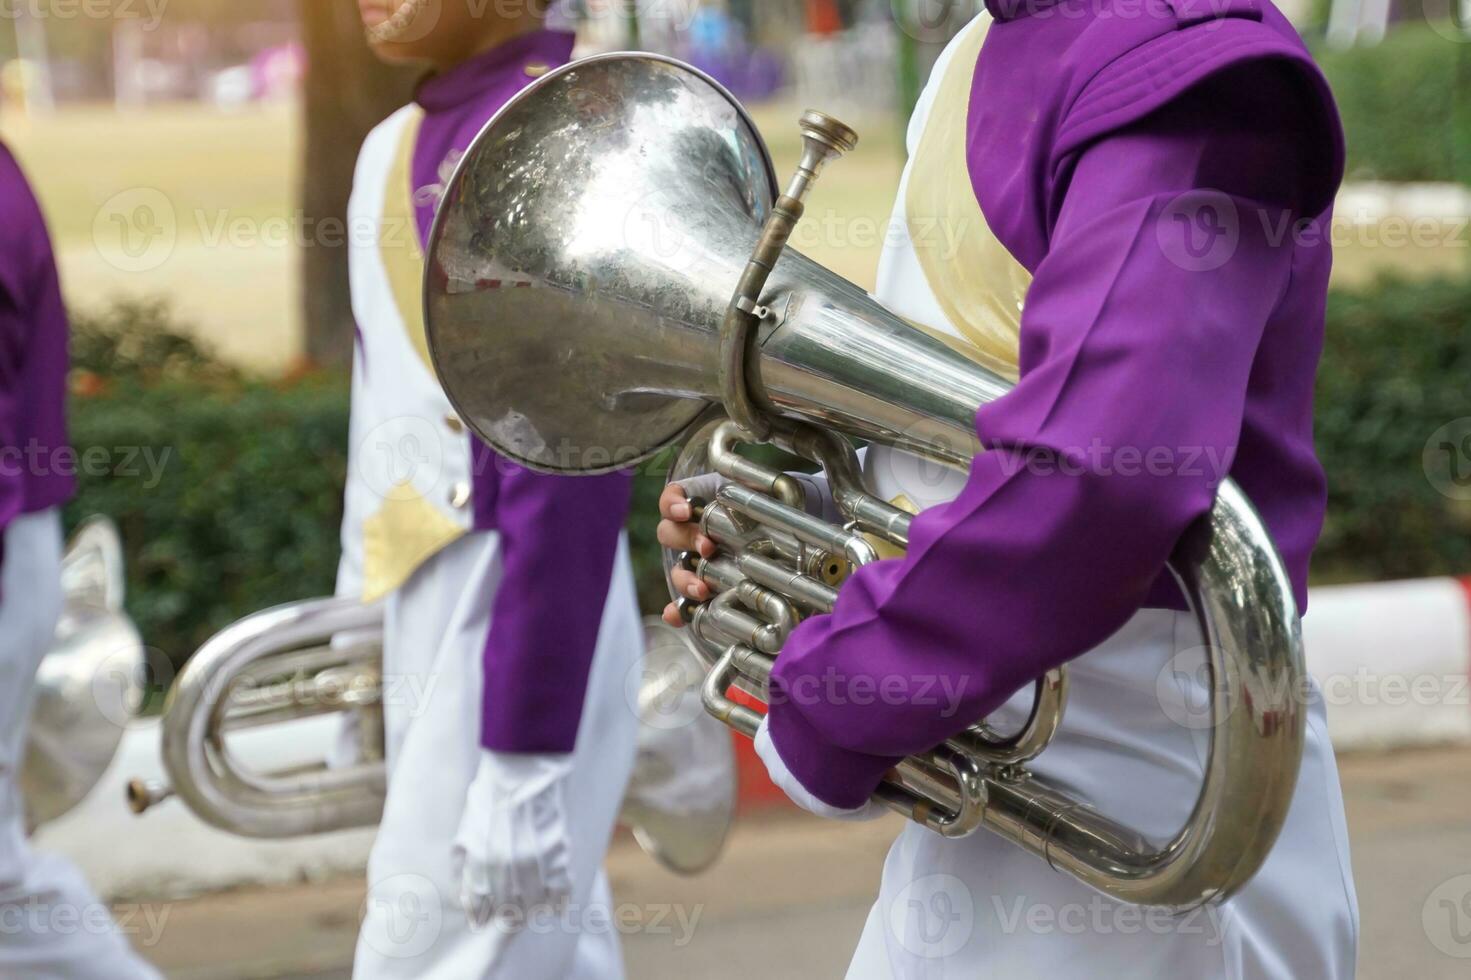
x=347, y=91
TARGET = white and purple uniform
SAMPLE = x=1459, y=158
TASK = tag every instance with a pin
x=1122, y=204
x=35, y=480
x=474, y=558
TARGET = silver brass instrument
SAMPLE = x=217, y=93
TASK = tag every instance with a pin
x=609, y=265
x=88, y=685
x=325, y=657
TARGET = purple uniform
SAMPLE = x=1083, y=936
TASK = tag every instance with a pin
x=558, y=534
x=1148, y=167
x=36, y=477
x=36, y=471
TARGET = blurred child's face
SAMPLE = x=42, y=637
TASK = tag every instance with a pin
x=440, y=32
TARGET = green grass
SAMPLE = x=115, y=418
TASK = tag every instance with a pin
x=212, y=171
x=244, y=163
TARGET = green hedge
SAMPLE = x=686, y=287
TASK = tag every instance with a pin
x=1406, y=104
x=228, y=499
x=227, y=490
x=245, y=507
x=1396, y=368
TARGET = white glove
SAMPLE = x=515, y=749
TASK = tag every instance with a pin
x=783, y=778
x=513, y=851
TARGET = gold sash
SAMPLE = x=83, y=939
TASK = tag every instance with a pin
x=399, y=245
x=978, y=284
x=407, y=530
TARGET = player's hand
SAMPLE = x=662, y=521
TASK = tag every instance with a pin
x=678, y=531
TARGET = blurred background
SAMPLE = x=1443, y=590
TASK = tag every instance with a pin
x=194, y=159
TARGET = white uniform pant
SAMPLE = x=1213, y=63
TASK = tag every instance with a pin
x=982, y=907
x=413, y=927
x=52, y=927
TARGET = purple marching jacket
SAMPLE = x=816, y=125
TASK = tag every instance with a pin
x=1165, y=172
x=558, y=534
x=36, y=466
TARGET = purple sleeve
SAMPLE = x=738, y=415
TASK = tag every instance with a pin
x=558, y=541
x=34, y=471
x=1136, y=350
x=13, y=334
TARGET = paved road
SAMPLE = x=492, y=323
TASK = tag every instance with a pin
x=791, y=894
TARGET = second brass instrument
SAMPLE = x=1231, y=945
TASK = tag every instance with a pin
x=323, y=658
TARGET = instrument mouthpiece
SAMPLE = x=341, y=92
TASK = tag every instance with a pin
x=825, y=129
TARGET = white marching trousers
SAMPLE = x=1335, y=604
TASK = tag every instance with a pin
x=1133, y=743
x=52, y=926
x=413, y=926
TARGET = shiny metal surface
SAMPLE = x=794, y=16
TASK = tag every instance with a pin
x=277, y=666
x=591, y=240
x=577, y=282
x=548, y=250
x=89, y=685
x=681, y=799
x=823, y=139
x=324, y=656
x=1241, y=600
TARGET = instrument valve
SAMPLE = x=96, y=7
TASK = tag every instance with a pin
x=687, y=607
x=697, y=508
x=829, y=568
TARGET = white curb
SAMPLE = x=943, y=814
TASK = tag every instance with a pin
x=1391, y=659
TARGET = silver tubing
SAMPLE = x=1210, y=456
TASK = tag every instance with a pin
x=324, y=655
x=1241, y=600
